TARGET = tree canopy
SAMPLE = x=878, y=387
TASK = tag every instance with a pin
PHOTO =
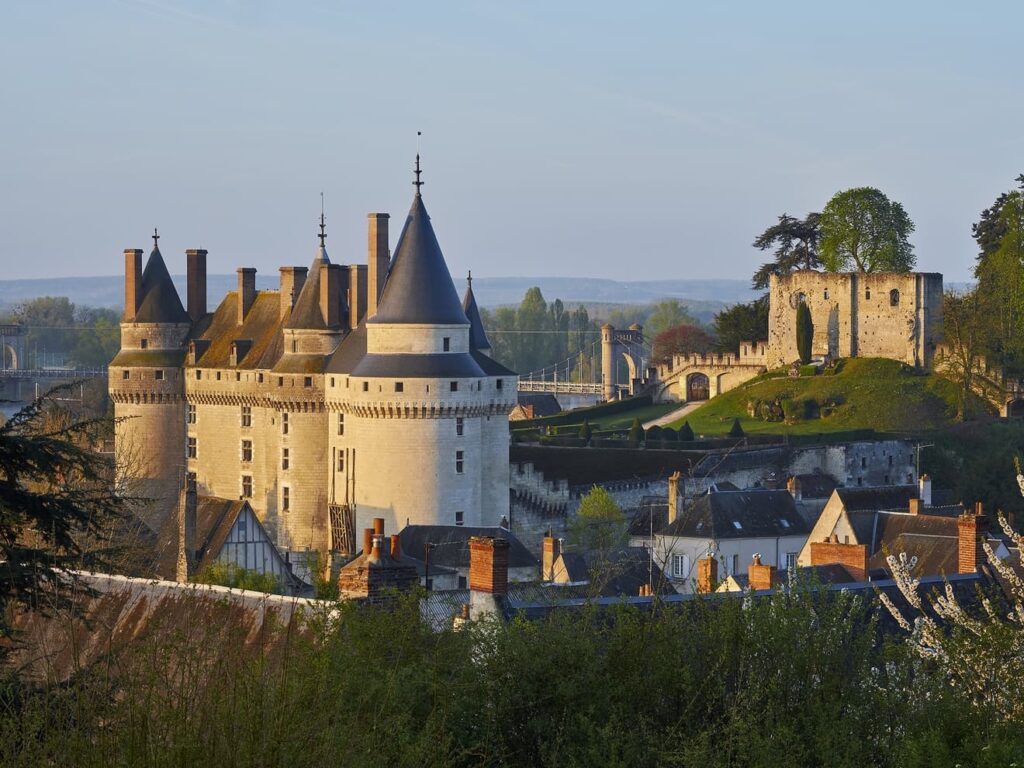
x=796, y=247
x=680, y=340
x=741, y=322
x=863, y=230
x=599, y=524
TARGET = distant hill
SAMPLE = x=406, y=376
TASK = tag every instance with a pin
x=704, y=296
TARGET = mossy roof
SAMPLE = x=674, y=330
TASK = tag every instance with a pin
x=262, y=327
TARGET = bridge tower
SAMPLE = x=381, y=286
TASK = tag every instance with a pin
x=146, y=377
x=12, y=346
x=630, y=344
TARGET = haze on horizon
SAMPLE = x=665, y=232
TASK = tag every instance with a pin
x=630, y=142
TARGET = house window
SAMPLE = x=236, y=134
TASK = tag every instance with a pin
x=341, y=462
x=190, y=414
x=284, y=422
x=447, y=344
x=680, y=566
x=459, y=462
x=735, y=564
x=462, y=582
x=126, y=374
x=454, y=386
x=863, y=462
x=341, y=423
x=246, y=486
x=159, y=375
x=284, y=458
x=144, y=343
x=890, y=461
x=499, y=383
x=399, y=386
x=460, y=425
x=285, y=498
x=460, y=517
x=894, y=298
x=247, y=450
x=790, y=560
x=193, y=447
x=246, y=416
x=307, y=381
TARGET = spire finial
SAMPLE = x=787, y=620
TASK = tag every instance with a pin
x=418, y=183
x=156, y=236
x=323, y=230
x=469, y=277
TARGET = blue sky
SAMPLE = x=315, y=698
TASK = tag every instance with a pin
x=621, y=140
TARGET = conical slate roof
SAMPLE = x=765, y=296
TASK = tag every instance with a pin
x=419, y=288
x=306, y=313
x=477, y=335
x=160, y=302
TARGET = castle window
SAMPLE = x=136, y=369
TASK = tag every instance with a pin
x=459, y=461
x=341, y=462
x=399, y=386
x=193, y=447
x=246, y=416
x=332, y=381
x=284, y=458
x=863, y=463
x=460, y=517
x=247, y=450
x=280, y=381
x=199, y=375
x=238, y=376
x=890, y=461
x=159, y=375
x=284, y=422
x=826, y=293
x=246, y=486
x=307, y=381
x=460, y=425
x=366, y=386
x=341, y=423
x=259, y=377
x=447, y=344
x=126, y=374
x=285, y=498
x=867, y=293
x=454, y=386
x=499, y=383
x=295, y=345
x=218, y=375
x=190, y=414
x=894, y=298
x=144, y=344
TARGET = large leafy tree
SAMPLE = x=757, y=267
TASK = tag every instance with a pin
x=1000, y=274
x=666, y=314
x=863, y=230
x=599, y=524
x=680, y=340
x=741, y=322
x=964, y=322
x=796, y=247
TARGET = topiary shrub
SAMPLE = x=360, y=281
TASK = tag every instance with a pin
x=808, y=370
x=668, y=435
x=654, y=433
x=736, y=430
x=586, y=432
x=686, y=432
x=804, y=332
x=636, y=433
x=791, y=409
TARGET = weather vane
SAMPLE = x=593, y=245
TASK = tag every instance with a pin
x=323, y=232
x=155, y=237
x=418, y=183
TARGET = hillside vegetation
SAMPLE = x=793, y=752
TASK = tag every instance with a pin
x=863, y=393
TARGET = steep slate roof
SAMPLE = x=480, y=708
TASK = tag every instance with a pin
x=306, y=312
x=262, y=326
x=740, y=515
x=160, y=301
x=419, y=288
x=477, y=334
x=887, y=497
x=651, y=514
x=490, y=366
x=214, y=518
x=933, y=540
x=350, y=351
x=452, y=542
x=456, y=365
x=544, y=403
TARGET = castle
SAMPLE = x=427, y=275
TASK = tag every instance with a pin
x=352, y=393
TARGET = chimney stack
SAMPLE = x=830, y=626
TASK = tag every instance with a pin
x=707, y=574
x=549, y=555
x=378, y=526
x=292, y=280
x=760, y=576
x=187, y=513
x=132, y=283
x=378, y=260
x=357, y=284
x=853, y=557
x=396, y=547
x=969, y=529
x=367, y=541
x=793, y=486
x=488, y=565
x=195, y=283
x=673, y=496
x=330, y=294
x=916, y=506
x=924, y=486
x=246, y=291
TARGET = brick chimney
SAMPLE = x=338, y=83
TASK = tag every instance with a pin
x=488, y=576
x=673, y=496
x=854, y=557
x=187, y=511
x=367, y=541
x=396, y=547
x=549, y=554
x=916, y=506
x=760, y=576
x=377, y=577
x=378, y=260
x=793, y=486
x=292, y=280
x=924, y=490
x=357, y=284
x=195, y=283
x=132, y=283
x=969, y=529
x=246, y=291
x=330, y=294
x=707, y=574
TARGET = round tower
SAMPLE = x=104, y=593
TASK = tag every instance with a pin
x=146, y=380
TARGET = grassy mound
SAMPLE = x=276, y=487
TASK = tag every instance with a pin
x=865, y=393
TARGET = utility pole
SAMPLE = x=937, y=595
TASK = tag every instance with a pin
x=917, y=462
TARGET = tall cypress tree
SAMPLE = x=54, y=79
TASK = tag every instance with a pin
x=804, y=332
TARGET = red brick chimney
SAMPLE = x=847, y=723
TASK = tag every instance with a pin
x=854, y=557
x=760, y=576
x=488, y=565
x=396, y=547
x=376, y=577
x=916, y=506
x=969, y=529
x=549, y=554
x=367, y=541
x=707, y=574
x=132, y=283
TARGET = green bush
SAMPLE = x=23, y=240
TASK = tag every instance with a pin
x=804, y=332
x=808, y=370
x=669, y=435
x=736, y=430
x=230, y=575
x=636, y=433
x=585, y=431
x=654, y=433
